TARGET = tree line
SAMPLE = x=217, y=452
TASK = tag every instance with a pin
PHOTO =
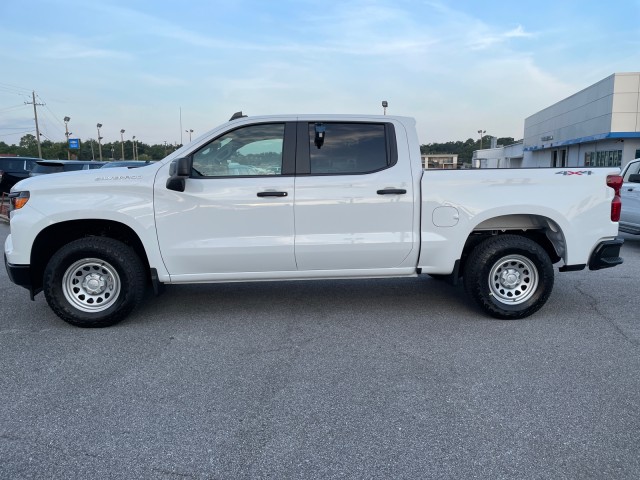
x=463, y=149
x=28, y=147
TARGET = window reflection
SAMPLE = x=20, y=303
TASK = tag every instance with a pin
x=248, y=151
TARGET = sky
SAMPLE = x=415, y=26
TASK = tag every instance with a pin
x=157, y=68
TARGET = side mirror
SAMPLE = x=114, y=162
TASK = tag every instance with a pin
x=634, y=178
x=179, y=171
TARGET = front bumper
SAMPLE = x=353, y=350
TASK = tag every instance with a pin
x=20, y=275
x=606, y=254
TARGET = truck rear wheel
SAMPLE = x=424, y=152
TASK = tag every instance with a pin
x=509, y=276
x=94, y=282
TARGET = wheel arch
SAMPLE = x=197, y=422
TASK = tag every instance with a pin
x=539, y=228
x=53, y=237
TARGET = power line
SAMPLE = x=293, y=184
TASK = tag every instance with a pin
x=15, y=133
x=13, y=87
x=13, y=107
x=57, y=119
x=50, y=121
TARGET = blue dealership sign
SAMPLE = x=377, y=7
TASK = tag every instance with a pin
x=74, y=143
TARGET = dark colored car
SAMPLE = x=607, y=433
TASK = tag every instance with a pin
x=43, y=167
x=126, y=163
x=14, y=169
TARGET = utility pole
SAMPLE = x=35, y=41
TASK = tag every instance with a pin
x=35, y=114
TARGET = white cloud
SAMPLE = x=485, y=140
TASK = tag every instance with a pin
x=484, y=38
x=518, y=32
x=454, y=70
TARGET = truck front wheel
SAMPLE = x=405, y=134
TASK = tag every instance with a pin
x=94, y=282
x=509, y=276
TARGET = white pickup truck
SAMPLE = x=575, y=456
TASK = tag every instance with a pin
x=301, y=197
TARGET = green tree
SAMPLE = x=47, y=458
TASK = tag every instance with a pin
x=29, y=145
x=465, y=149
x=4, y=148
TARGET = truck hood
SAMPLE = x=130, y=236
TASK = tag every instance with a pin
x=83, y=179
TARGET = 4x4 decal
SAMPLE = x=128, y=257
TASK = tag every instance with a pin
x=575, y=172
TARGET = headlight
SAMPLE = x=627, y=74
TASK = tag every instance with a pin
x=18, y=199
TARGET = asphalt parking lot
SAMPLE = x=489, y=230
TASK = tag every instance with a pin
x=384, y=379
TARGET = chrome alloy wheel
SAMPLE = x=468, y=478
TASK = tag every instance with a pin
x=513, y=279
x=91, y=285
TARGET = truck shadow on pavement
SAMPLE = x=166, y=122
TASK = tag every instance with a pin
x=375, y=298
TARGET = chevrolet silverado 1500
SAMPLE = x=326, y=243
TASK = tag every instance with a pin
x=299, y=197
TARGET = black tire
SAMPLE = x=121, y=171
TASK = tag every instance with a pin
x=509, y=276
x=94, y=282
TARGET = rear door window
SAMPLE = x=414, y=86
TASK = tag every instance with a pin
x=12, y=164
x=348, y=148
x=47, y=168
x=72, y=167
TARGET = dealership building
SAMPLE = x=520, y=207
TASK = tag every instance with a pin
x=596, y=127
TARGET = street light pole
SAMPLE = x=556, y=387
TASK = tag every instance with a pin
x=133, y=147
x=481, y=132
x=66, y=134
x=99, y=143
x=190, y=131
x=385, y=104
x=122, y=142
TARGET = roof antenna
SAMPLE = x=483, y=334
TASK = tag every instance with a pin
x=237, y=115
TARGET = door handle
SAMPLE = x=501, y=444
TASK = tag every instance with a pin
x=392, y=191
x=272, y=194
